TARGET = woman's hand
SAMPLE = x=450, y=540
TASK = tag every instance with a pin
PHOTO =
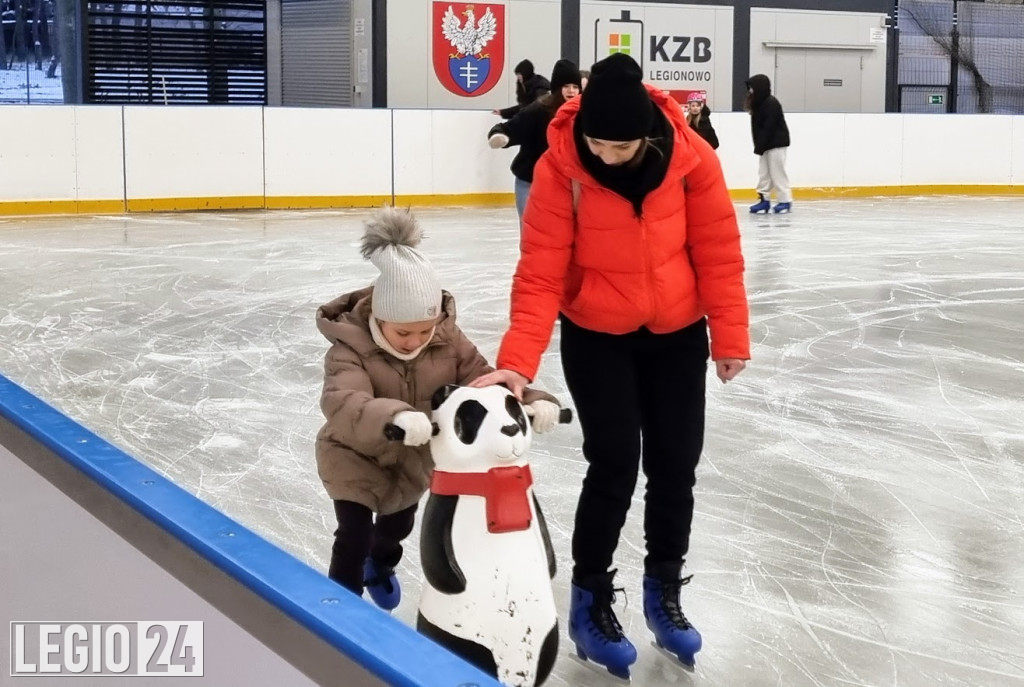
x=728, y=368
x=510, y=378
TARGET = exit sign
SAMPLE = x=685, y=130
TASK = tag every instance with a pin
x=935, y=99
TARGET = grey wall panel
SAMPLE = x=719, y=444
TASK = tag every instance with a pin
x=316, y=53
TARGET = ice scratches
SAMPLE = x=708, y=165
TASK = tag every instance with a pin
x=860, y=499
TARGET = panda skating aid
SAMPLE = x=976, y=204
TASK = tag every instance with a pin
x=486, y=555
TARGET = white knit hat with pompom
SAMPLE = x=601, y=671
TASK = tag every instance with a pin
x=408, y=289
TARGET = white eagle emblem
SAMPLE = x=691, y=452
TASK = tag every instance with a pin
x=471, y=37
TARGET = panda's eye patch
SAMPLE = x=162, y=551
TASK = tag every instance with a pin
x=516, y=411
x=468, y=419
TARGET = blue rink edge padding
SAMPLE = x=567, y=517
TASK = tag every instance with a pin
x=384, y=646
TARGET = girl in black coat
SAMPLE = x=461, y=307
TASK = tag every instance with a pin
x=771, y=141
x=528, y=129
x=698, y=116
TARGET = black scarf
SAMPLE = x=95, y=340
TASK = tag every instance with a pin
x=632, y=181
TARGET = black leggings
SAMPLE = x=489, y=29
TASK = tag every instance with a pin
x=637, y=395
x=358, y=536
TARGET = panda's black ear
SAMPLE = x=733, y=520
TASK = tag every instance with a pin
x=441, y=395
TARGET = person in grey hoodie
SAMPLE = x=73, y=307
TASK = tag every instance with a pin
x=392, y=345
x=771, y=142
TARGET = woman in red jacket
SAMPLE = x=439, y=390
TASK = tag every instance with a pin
x=629, y=235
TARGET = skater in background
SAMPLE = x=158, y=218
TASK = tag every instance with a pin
x=392, y=345
x=698, y=116
x=637, y=263
x=771, y=142
x=584, y=78
x=528, y=128
x=529, y=87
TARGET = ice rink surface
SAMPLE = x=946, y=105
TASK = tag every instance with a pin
x=859, y=505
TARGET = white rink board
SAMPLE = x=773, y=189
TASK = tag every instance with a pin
x=193, y=152
x=73, y=153
x=327, y=152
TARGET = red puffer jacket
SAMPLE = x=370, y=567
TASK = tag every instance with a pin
x=610, y=271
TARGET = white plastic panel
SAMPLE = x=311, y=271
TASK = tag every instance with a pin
x=956, y=149
x=193, y=152
x=327, y=152
x=99, y=145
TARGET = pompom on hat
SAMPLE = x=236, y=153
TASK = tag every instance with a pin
x=408, y=289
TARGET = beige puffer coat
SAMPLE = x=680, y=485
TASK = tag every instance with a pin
x=364, y=387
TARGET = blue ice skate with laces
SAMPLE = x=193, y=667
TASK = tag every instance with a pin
x=672, y=631
x=595, y=630
x=762, y=205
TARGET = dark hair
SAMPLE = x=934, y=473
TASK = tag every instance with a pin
x=647, y=144
x=551, y=101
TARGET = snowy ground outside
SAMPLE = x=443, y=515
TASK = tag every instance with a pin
x=43, y=90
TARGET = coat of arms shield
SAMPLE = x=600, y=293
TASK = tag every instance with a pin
x=468, y=44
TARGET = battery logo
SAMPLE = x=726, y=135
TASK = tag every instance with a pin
x=619, y=42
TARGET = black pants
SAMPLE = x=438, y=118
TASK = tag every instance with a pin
x=637, y=395
x=358, y=536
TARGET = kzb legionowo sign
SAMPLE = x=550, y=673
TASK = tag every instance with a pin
x=679, y=47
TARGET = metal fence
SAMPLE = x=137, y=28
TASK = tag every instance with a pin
x=960, y=56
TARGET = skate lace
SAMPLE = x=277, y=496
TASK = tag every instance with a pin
x=670, y=602
x=604, y=618
x=381, y=577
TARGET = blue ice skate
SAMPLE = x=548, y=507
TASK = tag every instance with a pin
x=381, y=582
x=763, y=205
x=782, y=207
x=672, y=631
x=595, y=630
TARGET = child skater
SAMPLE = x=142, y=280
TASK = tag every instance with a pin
x=698, y=116
x=392, y=345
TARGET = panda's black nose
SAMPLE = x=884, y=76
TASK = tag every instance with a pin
x=511, y=430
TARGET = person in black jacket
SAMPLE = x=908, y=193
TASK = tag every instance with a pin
x=529, y=87
x=698, y=116
x=771, y=141
x=529, y=127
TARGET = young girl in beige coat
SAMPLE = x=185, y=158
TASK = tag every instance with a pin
x=393, y=345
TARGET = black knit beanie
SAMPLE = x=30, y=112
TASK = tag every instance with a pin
x=564, y=73
x=615, y=105
x=525, y=68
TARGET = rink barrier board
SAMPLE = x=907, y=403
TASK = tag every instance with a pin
x=96, y=207
x=279, y=600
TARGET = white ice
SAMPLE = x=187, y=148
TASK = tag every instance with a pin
x=859, y=504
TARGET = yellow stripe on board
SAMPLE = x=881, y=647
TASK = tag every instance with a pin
x=61, y=207
x=491, y=199
x=324, y=202
x=99, y=207
x=834, y=192
x=176, y=204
